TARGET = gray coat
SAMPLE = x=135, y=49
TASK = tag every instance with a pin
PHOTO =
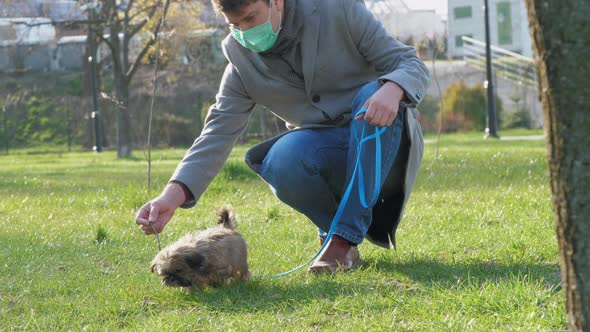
x=343, y=48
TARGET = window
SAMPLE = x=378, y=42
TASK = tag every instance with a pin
x=463, y=12
x=504, y=19
x=459, y=39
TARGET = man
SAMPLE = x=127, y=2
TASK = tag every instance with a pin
x=313, y=63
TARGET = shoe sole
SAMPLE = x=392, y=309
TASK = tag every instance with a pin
x=331, y=269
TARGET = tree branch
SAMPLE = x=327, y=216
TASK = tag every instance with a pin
x=115, y=29
x=144, y=9
x=139, y=26
x=129, y=6
x=101, y=37
x=153, y=39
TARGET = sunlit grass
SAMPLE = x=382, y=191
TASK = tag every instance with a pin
x=476, y=250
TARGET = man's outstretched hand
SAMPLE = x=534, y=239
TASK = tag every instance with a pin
x=160, y=210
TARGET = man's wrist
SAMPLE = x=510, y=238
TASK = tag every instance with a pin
x=176, y=192
x=400, y=92
x=405, y=99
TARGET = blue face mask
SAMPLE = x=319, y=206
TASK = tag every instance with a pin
x=259, y=38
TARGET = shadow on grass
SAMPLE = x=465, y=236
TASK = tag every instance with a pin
x=445, y=274
x=268, y=295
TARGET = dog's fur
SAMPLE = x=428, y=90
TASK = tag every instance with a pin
x=213, y=257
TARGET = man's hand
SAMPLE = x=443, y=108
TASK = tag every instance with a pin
x=383, y=106
x=160, y=210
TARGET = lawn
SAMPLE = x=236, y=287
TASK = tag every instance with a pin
x=476, y=251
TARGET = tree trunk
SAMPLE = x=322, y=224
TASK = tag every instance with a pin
x=123, y=127
x=121, y=84
x=560, y=31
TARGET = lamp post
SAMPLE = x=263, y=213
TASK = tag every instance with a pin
x=492, y=120
x=91, y=7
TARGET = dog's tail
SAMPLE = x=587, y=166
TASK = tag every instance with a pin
x=226, y=217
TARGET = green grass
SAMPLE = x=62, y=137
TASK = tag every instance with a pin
x=476, y=251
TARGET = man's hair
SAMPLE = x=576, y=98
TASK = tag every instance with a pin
x=230, y=6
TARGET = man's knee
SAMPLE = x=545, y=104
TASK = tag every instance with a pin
x=286, y=167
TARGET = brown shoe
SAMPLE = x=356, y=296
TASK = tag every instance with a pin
x=339, y=255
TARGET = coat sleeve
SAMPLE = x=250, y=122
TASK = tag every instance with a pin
x=396, y=61
x=226, y=121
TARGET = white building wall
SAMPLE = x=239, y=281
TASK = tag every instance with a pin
x=402, y=22
x=26, y=30
x=474, y=26
x=468, y=26
x=417, y=24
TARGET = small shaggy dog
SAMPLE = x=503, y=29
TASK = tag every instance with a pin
x=213, y=257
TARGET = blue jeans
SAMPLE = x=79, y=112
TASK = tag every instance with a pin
x=310, y=170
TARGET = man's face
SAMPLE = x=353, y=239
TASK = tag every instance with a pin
x=254, y=14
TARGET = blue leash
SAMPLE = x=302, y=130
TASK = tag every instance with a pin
x=358, y=168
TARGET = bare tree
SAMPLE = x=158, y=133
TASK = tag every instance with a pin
x=562, y=52
x=123, y=21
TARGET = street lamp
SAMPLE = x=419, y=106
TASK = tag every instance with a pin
x=492, y=120
x=92, y=7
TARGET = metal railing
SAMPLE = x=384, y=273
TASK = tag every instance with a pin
x=510, y=65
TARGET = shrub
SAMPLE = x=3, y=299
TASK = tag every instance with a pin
x=429, y=108
x=465, y=108
x=518, y=118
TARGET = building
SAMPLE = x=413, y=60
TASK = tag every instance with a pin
x=405, y=23
x=59, y=13
x=26, y=30
x=508, y=25
x=33, y=35
x=56, y=10
x=23, y=43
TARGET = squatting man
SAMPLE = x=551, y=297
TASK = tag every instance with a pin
x=313, y=63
